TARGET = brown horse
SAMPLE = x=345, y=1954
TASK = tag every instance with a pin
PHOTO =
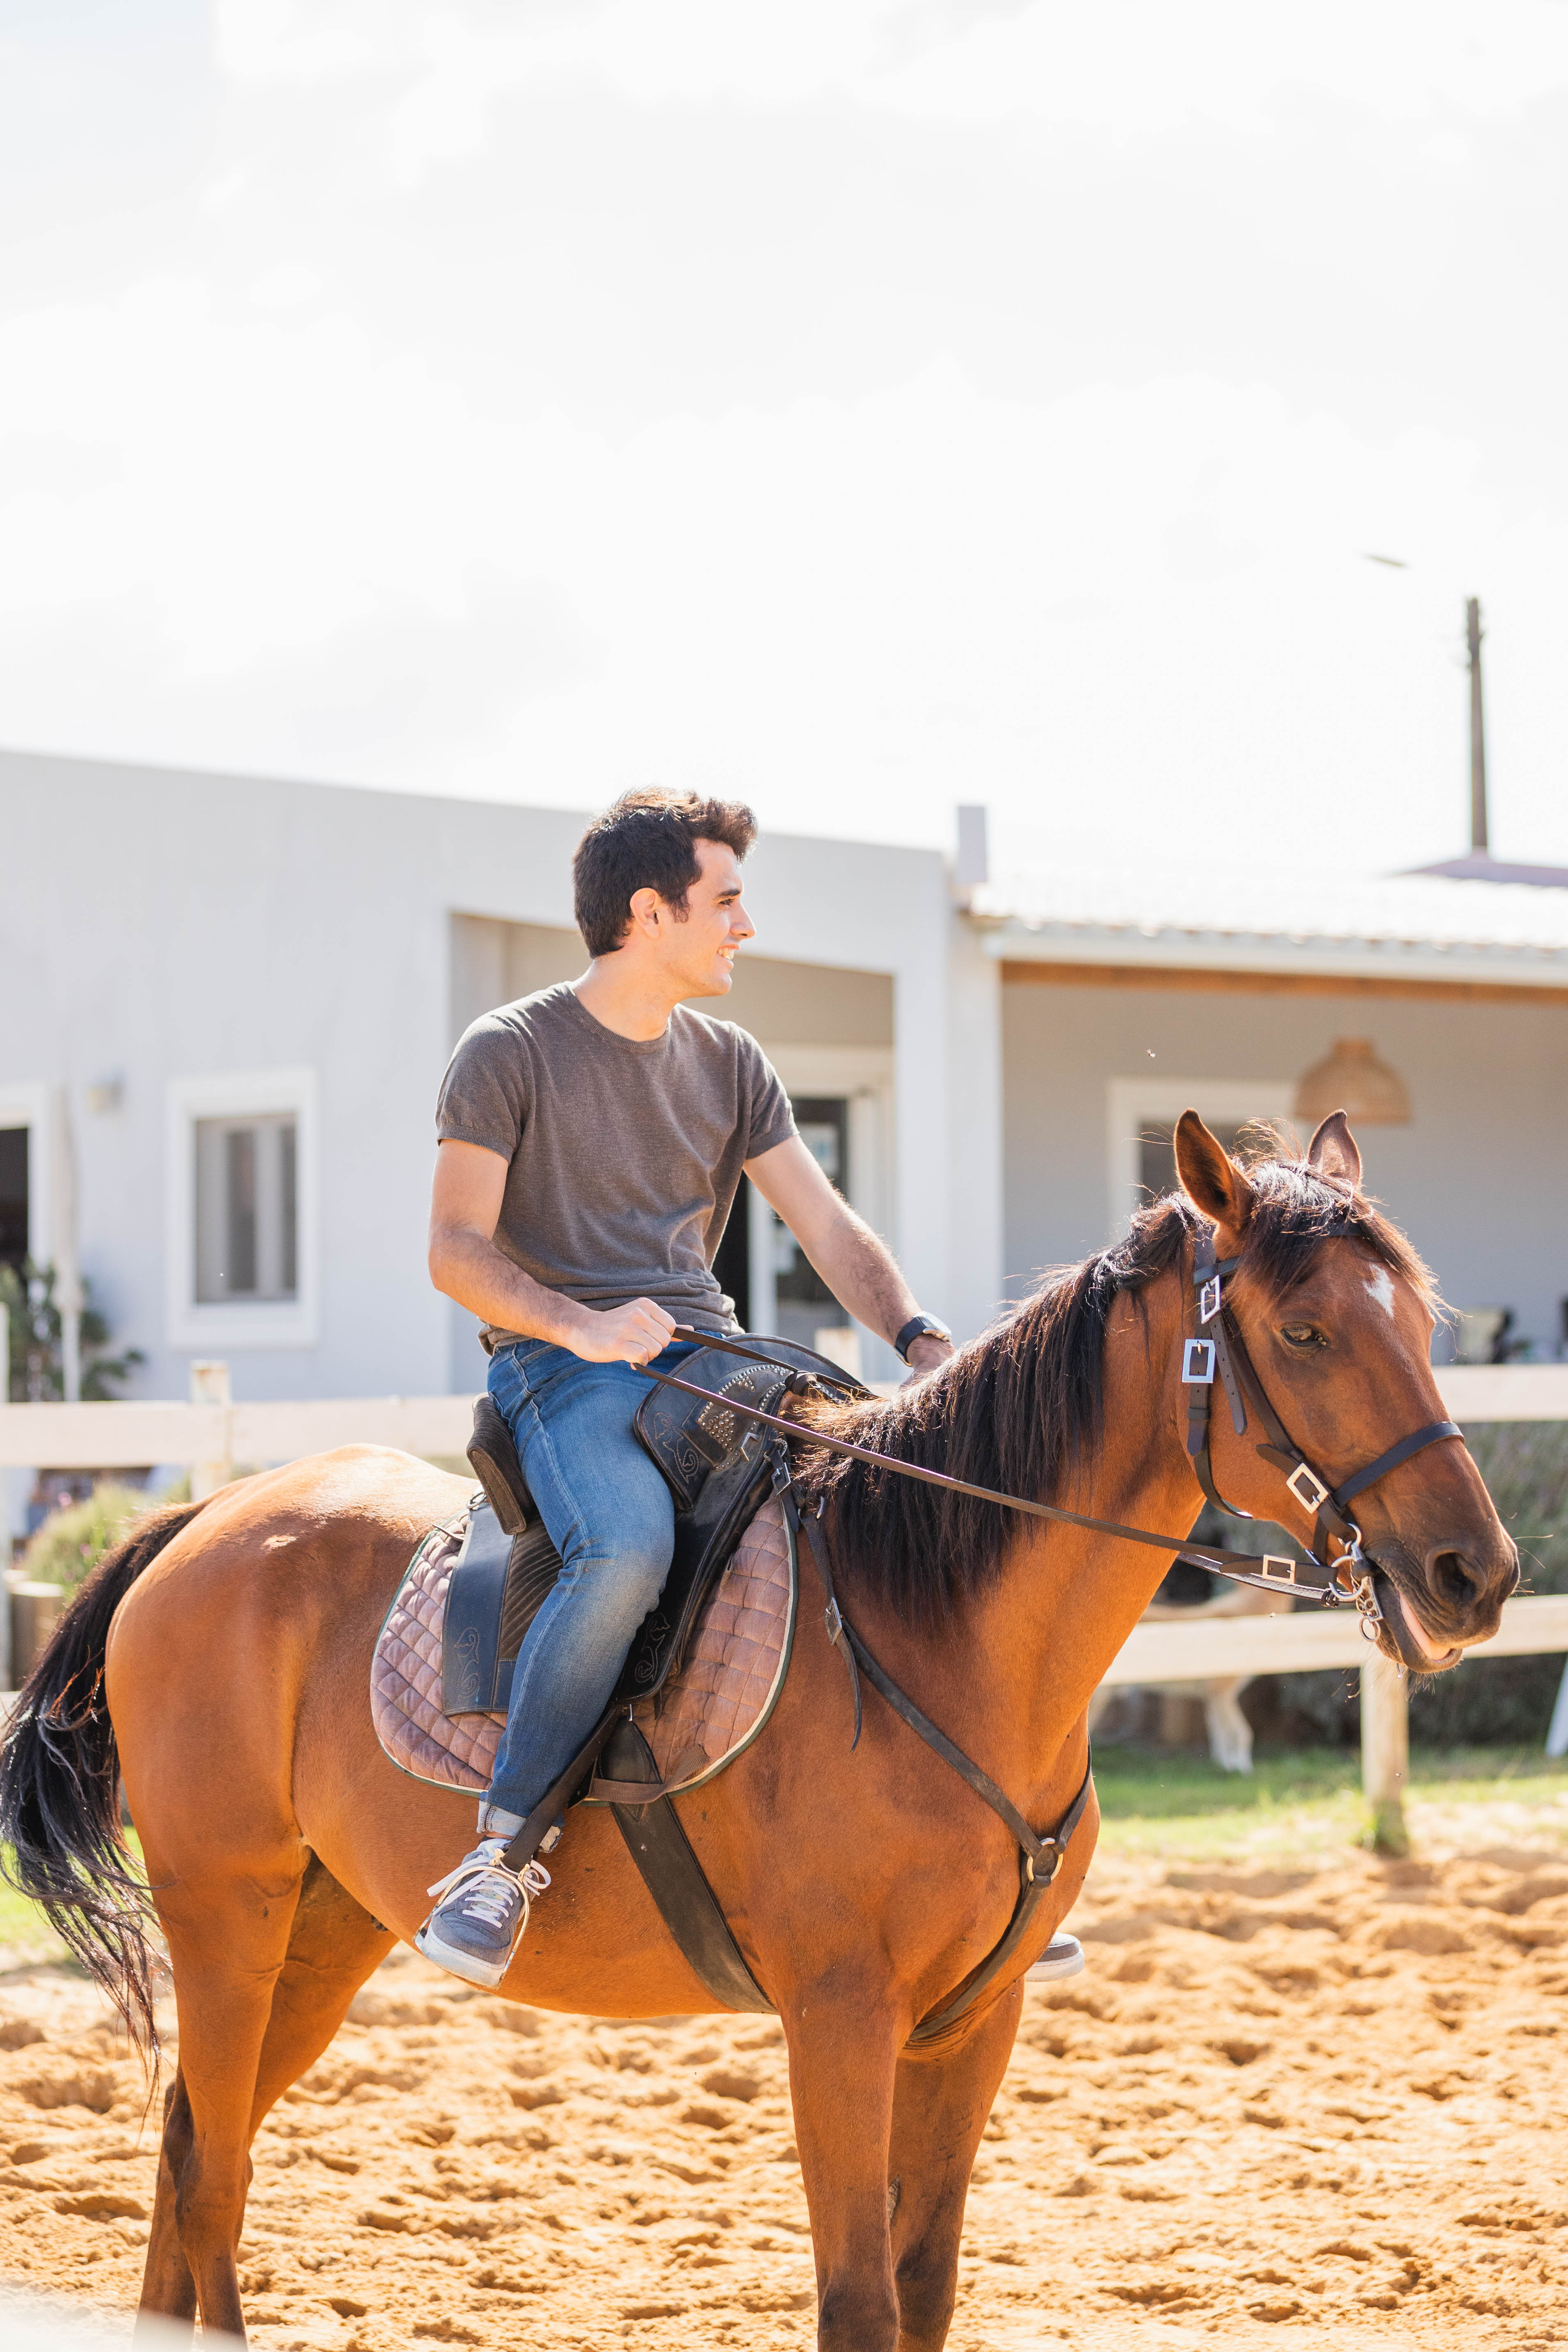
x=862, y=1887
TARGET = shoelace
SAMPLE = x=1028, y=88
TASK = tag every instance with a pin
x=489, y=1891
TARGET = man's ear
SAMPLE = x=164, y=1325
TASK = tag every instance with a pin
x=1333, y=1151
x=643, y=907
x=1210, y=1178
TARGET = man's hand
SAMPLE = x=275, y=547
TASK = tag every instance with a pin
x=926, y=1354
x=621, y=1334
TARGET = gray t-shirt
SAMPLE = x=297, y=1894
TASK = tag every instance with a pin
x=624, y=1154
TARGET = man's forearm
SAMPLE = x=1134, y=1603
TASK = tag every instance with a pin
x=472, y=1270
x=863, y=1275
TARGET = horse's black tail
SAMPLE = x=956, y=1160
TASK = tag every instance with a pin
x=61, y=1839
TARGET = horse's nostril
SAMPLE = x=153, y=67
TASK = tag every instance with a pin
x=1452, y=1578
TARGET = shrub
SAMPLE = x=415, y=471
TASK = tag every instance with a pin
x=72, y=1541
x=36, y=1373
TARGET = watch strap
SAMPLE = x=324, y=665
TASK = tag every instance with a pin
x=917, y=1327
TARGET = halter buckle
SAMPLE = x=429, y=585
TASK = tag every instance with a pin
x=1307, y=1487
x=1209, y=1299
x=1198, y=1364
x=1279, y=1568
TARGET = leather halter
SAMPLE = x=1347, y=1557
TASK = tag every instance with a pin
x=1220, y=1346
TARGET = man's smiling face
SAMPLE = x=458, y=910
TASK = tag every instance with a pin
x=700, y=951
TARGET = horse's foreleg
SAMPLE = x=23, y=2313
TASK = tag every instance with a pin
x=941, y=2099
x=842, y=2059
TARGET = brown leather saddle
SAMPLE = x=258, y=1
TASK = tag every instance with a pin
x=718, y=1466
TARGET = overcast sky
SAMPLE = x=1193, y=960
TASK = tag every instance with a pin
x=859, y=408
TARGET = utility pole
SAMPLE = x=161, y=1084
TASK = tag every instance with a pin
x=1477, y=733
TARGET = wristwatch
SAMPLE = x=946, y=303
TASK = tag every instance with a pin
x=920, y=1326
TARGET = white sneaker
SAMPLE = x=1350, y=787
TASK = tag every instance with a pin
x=1063, y=1956
x=475, y=1930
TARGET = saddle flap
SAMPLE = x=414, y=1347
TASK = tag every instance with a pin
x=474, y=1597
x=496, y=1591
x=689, y=1439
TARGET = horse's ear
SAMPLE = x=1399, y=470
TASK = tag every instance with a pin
x=1210, y=1178
x=1333, y=1151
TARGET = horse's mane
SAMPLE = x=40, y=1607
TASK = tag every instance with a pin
x=1019, y=1409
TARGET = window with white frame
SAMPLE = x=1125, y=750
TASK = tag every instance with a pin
x=242, y=1210
x=248, y=1207
x=1140, y=1117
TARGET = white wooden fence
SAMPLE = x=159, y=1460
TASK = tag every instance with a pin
x=211, y=1433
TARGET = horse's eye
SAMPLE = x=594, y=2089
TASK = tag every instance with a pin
x=1301, y=1335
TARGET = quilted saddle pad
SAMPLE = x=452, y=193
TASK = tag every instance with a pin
x=704, y=1716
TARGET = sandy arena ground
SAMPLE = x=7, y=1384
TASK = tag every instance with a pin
x=1329, y=2098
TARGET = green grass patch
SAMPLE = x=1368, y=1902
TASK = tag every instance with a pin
x=1310, y=1800
x=24, y=1930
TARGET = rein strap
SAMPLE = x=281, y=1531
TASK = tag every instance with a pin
x=1224, y=1564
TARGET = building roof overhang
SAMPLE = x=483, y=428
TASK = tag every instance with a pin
x=1417, y=931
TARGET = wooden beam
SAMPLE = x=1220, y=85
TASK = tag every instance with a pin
x=1384, y=1750
x=1025, y=971
x=112, y=1436
x=1162, y=1650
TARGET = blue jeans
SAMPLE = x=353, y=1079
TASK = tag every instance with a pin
x=612, y=1519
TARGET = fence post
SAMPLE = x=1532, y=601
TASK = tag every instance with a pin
x=1384, y=1750
x=210, y=1385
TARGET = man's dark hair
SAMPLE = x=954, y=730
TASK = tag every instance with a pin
x=647, y=841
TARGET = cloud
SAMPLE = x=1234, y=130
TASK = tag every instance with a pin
x=1140, y=65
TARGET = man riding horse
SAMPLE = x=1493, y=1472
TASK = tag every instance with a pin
x=592, y=1137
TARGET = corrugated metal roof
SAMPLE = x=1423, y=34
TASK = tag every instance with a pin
x=1244, y=919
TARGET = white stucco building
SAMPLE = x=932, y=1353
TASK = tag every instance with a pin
x=226, y=1004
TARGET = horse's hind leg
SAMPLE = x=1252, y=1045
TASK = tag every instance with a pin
x=168, y=2288
x=227, y=1937
x=941, y=2099
x=332, y=1947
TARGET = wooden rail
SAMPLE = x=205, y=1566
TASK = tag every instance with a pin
x=1169, y=1652
x=119, y=1437
x=110, y=1436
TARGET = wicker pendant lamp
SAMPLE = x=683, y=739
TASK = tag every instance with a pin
x=1350, y=1079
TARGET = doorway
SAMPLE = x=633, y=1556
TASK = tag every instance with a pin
x=13, y=1196
x=759, y=1255
x=842, y=1099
